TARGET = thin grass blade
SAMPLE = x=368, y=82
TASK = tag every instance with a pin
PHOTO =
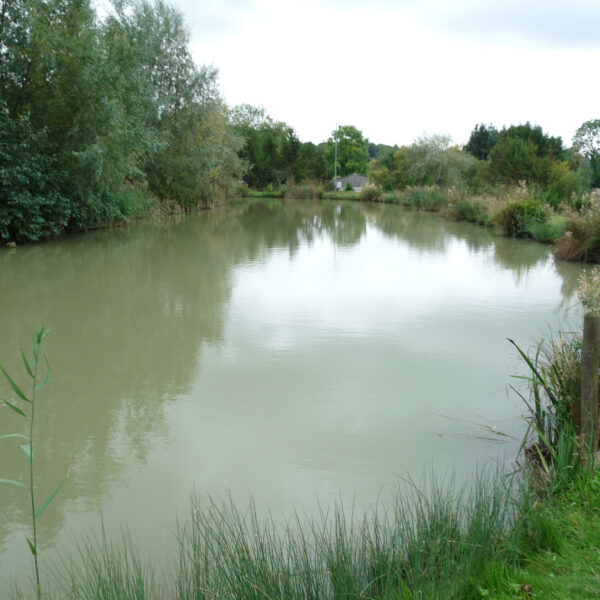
x=534, y=369
x=14, y=386
x=546, y=441
x=544, y=463
x=44, y=506
x=15, y=408
x=26, y=363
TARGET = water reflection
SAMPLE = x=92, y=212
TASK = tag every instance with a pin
x=278, y=342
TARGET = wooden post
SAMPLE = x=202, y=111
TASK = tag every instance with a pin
x=590, y=363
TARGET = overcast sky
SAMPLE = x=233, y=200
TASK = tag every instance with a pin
x=399, y=68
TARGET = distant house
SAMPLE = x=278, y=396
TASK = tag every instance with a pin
x=354, y=179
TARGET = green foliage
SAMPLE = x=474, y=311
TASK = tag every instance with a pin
x=587, y=142
x=91, y=107
x=549, y=231
x=544, y=144
x=567, y=187
x=31, y=208
x=472, y=211
x=555, y=387
x=481, y=141
x=432, y=161
x=516, y=217
x=512, y=160
x=524, y=153
x=352, y=151
x=272, y=151
x=582, y=239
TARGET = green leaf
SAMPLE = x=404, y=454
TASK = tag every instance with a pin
x=14, y=386
x=41, y=385
x=32, y=547
x=27, y=449
x=39, y=513
x=15, y=408
x=13, y=482
x=13, y=435
x=26, y=363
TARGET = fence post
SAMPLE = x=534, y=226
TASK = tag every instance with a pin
x=590, y=363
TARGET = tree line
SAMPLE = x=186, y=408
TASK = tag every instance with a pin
x=98, y=115
x=519, y=154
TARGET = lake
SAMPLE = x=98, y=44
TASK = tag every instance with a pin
x=292, y=352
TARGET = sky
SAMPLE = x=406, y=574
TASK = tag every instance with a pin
x=400, y=69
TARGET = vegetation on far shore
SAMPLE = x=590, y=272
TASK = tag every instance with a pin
x=104, y=117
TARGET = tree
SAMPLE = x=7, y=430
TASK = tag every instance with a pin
x=352, y=151
x=111, y=103
x=525, y=153
x=512, y=160
x=544, y=144
x=481, y=141
x=587, y=142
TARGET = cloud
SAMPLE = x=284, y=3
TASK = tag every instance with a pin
x=551, y=23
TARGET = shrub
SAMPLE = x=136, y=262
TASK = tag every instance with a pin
x=550, y=231
x=371, y=193
x=516, y=217
x=472, y=211
x=31, y=208
x=581, y=242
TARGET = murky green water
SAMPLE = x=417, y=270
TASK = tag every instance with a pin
x=280, y=350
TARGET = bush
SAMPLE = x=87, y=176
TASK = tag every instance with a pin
x=31, y=208
x=371, y=193
x=567, y=188
x=581, y=242
x=550, y=231
x=471, y=211
x=517, y=217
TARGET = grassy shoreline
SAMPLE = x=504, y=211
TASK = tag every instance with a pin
x=501, y=537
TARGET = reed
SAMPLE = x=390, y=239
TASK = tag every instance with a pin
x=25, y=406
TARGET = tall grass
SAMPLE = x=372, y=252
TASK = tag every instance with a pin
x=436, y=540
x=106, y=570
x=309, y=190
